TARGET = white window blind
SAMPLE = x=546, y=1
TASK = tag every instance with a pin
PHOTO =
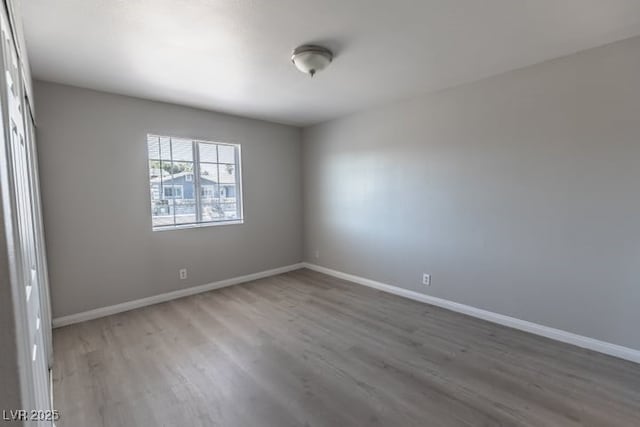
x=193, y=183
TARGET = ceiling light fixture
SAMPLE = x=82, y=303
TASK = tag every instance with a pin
x=311, y=58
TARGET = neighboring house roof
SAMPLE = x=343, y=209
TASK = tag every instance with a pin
x=168, y=177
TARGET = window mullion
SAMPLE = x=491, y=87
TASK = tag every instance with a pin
x=173, y=181
x=238, y=183
x=196, y=180
x=161, y=196
x=218, y=189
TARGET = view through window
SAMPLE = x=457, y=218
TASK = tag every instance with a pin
x=193, y=182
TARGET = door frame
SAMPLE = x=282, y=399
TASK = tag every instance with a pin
x=34, y=390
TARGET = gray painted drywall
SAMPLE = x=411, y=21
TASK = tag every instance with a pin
x=518, y=193
x=95, y=191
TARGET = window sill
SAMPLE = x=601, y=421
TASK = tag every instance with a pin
x=200, y=225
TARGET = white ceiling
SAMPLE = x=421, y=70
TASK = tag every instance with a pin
x=234, y=55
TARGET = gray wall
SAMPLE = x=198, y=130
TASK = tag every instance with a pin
x=95, y=190
x=519, y=193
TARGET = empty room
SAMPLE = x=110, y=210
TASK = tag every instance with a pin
x=334, y=213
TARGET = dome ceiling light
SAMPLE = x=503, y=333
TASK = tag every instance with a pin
x=311, y=58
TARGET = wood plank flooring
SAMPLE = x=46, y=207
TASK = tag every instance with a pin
x=306, y=349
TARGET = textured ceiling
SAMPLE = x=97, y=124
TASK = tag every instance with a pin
x=234, y=55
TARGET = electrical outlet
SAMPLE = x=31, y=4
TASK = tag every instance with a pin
x=426, y=279
x=182, y=273
x=317, y=254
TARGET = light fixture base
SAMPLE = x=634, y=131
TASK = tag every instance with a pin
x=310, y=59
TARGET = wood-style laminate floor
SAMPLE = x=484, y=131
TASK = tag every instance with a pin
x=306, y=349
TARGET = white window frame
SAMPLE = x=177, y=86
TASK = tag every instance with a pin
x=198, y=188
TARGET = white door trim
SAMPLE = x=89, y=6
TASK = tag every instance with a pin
x=15, y=185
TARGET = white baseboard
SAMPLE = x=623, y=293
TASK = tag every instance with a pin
x=523, y=325
x=130, y=305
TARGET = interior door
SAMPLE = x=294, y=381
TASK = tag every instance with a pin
x=28, y=277
x=38, y=226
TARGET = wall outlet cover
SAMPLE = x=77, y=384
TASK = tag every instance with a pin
x=426, y=279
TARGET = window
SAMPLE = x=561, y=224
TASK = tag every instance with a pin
x=193, y=183
x=208, y=191
x=172, y=191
